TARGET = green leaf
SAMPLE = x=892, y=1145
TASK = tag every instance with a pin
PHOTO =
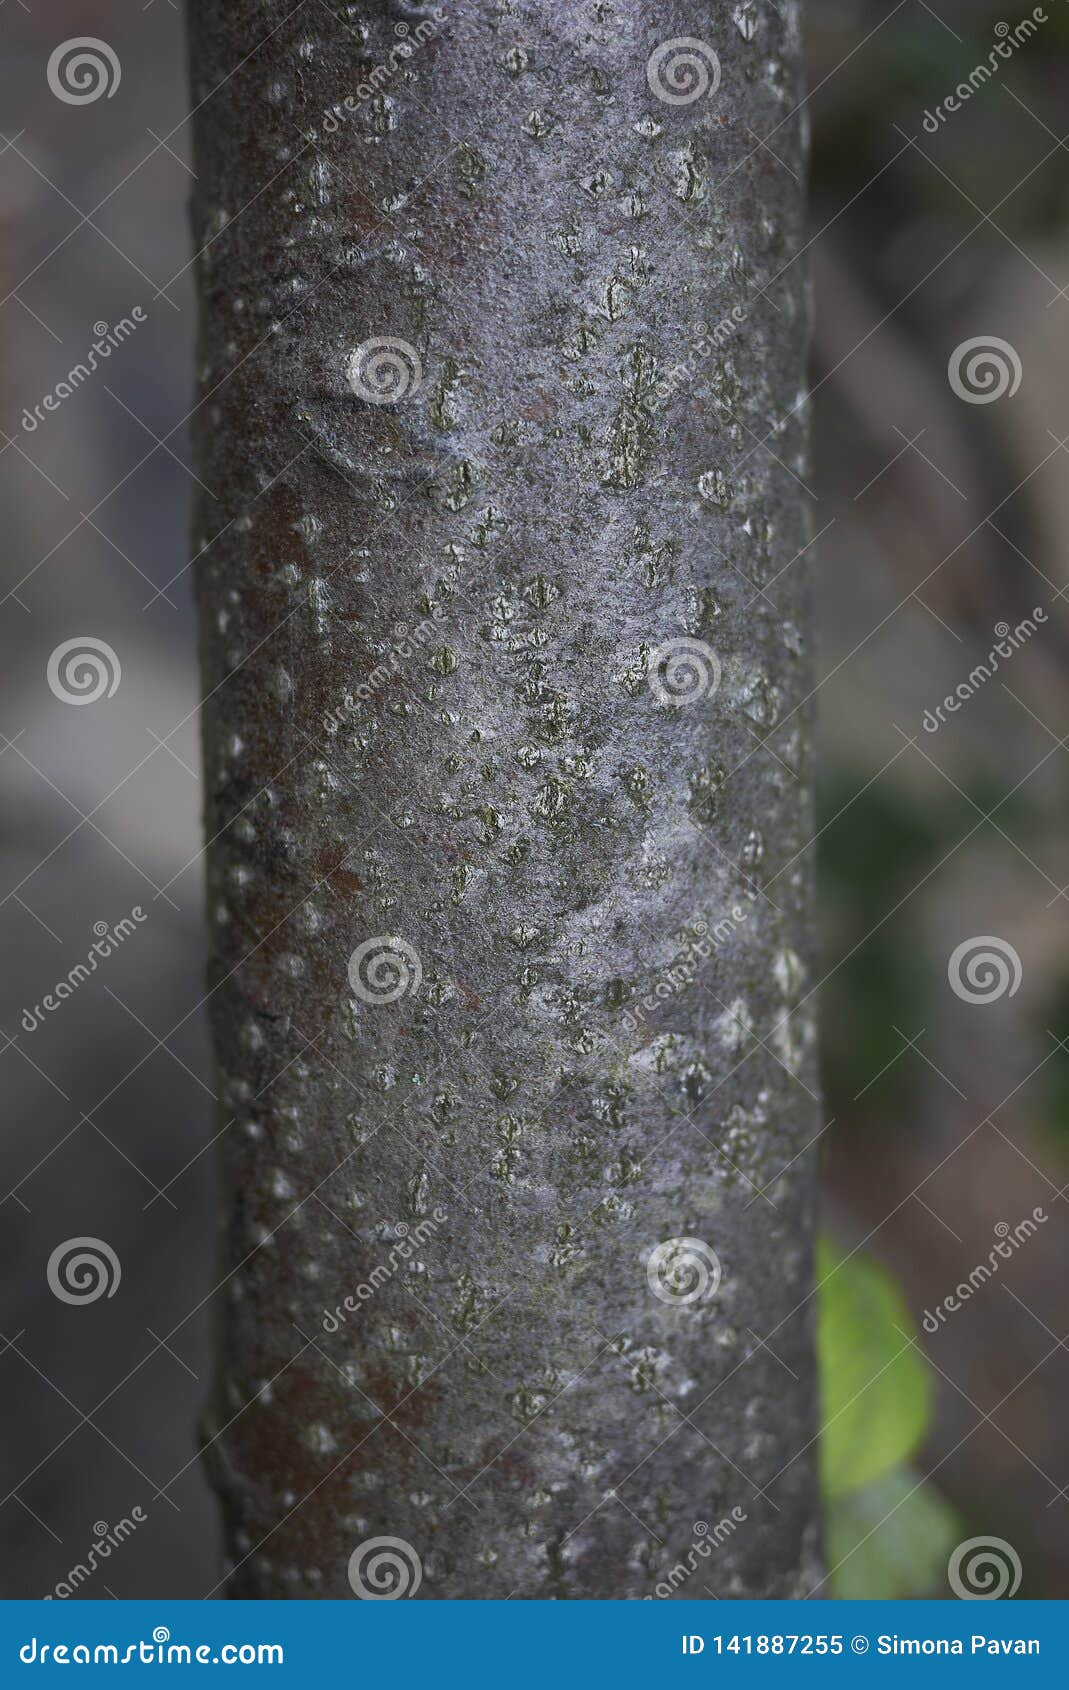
x=875, y=1385
x=892, y=1539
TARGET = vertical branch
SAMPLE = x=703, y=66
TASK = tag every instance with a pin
x=504, y=644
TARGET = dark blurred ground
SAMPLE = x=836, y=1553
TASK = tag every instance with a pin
x=937, y=520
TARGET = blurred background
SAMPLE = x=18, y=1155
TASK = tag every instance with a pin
x=939, y=519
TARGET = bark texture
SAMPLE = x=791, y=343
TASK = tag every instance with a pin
x=489, y=1034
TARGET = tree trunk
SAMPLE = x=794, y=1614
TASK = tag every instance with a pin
x=504, y=643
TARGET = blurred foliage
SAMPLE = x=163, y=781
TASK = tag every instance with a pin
x=892, y=1539
x=875, y=1385
x=887, y=1532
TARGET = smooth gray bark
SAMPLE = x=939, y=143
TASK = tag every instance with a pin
x=440, y=716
